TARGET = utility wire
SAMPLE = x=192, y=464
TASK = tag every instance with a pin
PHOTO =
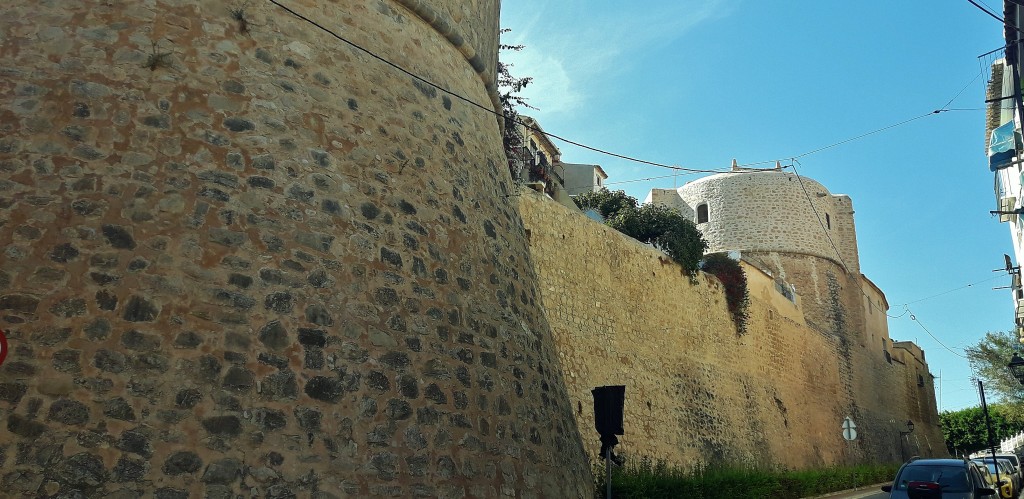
x=570, y=141
x=946, y=105
x=861, y=136
x=985, y=10
x=953, y=290
x=997, y=18
x=817, y=215
x=914, y=318
x=485, y=108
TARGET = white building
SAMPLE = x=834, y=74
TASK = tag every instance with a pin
x=1004, y=148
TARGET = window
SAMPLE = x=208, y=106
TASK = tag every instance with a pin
x=828, y=221
x=702, y=213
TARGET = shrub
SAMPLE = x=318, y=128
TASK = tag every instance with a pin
x=657, y=480
x=607, y=203
x=664, y=228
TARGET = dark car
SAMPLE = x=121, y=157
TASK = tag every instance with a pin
x=939, y=479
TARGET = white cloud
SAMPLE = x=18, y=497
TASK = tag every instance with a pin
x=565, y=59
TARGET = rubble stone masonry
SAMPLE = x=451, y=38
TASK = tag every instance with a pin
x=242, y=258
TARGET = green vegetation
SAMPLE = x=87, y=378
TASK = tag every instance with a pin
x=509, y=88
x=664, y=228
x=731, y=274
x=965, y=430
x=988, y=360
x=648, y=480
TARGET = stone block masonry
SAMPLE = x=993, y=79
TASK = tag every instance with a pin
x=246, y=259
x=696, y=391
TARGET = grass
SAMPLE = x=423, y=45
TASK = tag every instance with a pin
x=658, y=480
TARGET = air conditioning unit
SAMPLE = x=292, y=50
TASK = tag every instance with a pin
x=1020, y=310
x=1006, y=207
x=1015, y=281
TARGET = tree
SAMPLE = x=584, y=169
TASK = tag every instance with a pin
x=509, y=88
x=965, y=430
x=989, y=359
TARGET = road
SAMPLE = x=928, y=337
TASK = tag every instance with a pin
x=872, y=493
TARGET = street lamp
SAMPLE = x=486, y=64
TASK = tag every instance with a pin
x=910, y=425
x=1016, y=366
x=910, y=429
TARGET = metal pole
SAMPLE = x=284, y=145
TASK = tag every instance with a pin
x=988, y=423
x=608, y=471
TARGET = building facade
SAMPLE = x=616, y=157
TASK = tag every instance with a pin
x=1005, y=150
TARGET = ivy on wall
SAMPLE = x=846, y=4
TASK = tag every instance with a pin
x=737, y=298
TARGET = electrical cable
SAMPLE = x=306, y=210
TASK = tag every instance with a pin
x=953, y=290
x=487, y=109
x=573, y=142
x=914, y=318
x=997, y=18
x=946, y=105
x=818, y=216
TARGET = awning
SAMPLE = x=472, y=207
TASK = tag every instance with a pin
x=1003, y=146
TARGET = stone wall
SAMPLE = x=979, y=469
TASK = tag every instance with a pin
x=242, y=257
x=696, y=390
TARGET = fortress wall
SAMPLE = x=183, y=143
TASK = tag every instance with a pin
x=266, y=263
x=880, y=393
x=696, y=391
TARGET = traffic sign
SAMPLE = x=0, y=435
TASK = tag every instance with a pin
x=849, y=429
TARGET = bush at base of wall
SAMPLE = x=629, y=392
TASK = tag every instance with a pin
x=657, y=480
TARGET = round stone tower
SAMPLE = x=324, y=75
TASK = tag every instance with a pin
x=769, y=211
x=766, y=215
x=244, y=257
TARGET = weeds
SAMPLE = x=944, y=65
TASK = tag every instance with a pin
x=238, y=14
x=157, y=59
x=658, y=480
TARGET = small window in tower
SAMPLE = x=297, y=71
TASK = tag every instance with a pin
x=828, y=221
x=702, y=213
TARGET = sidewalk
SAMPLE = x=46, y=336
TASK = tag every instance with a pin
x=857, y=493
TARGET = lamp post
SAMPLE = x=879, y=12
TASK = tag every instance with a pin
x=910, y=429
x=1016, y=366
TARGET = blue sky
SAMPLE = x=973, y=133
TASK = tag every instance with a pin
x=698, y=83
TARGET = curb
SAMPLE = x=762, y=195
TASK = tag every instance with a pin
x=876, y=486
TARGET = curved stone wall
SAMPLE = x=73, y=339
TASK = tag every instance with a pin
x=244, y=258
x=769, y=211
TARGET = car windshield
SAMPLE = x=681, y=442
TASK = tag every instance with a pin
x=950, y=478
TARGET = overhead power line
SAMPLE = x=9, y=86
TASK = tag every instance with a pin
x=574, y=142
x=915, y=319
x=486, y=108
x=965, y=286
x=994, y=16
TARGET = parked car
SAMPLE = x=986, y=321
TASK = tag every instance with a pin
x=1005, y=469
x=940, y=478
x=1005, y=484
